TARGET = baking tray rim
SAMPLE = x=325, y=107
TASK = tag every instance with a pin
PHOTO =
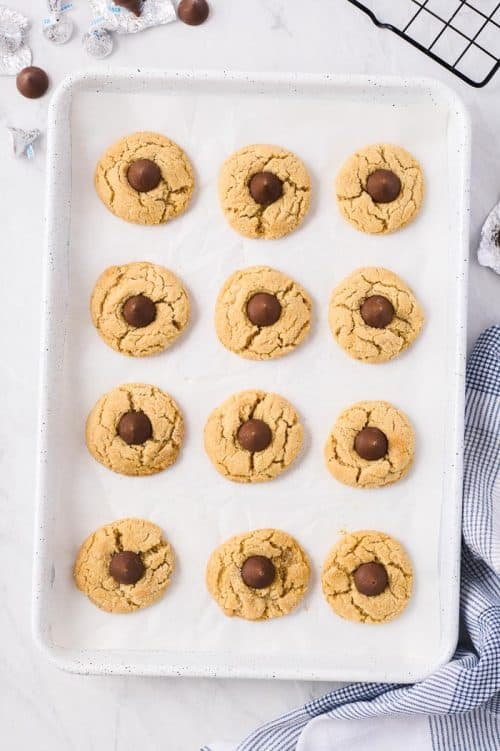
x=121, y=662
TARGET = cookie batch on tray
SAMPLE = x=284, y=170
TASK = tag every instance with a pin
x=140, y=309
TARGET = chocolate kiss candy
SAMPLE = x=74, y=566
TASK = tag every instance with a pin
x=258, y=572
x=254, y=435
x=144, y=175
x=134, y=6
x=383, y=186
x=371, y=444
x=126, y=567
x=32, y=82
x=193, y=12
x=371, y=579
x=135, y=428
x=139, y=311
x=265, y=188
x=377, y=311
x=263, y=309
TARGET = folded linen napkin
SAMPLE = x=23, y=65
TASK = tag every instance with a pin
x=457, y=708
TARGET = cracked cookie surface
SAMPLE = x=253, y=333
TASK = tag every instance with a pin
x=91, y=569
x=250, y=218
x=253, y=342
x=157, y=206
x=118, y=284
x=344, y=462
x=225, y=583
x=156, y=453
x=235, y=462
x=350, y=552
x=358, y=207
x=357, y=338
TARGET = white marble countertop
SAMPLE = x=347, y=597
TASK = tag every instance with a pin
x=39, y=705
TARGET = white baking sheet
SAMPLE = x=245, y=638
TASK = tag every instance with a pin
x=322, y=120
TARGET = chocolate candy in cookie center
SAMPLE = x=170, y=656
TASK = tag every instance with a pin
x=126, y=567
x=139, y=311
x=265, y=188
x=377, y=311
x=370, y=579
x=135, y=428
x=263, y=309
x=134, y=6
x=254, y=435
x=383, y=185
x=258, y=572
x=371, y=444
x=144, y=175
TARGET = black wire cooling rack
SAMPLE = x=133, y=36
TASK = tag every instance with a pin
x=461, y=35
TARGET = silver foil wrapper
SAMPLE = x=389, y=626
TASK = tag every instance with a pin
x=488, y=253
x=98, y=42
x=14, y=52
x=116, y=18
x=58, y=26
x=23, y=140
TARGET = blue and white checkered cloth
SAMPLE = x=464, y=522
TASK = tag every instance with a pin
x=458, y=708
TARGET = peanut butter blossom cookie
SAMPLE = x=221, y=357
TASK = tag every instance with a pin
x=380, y=189
x=374, y=315
x=139, y=308
x=253, y=436
x=136, y=429
x=145, y=178
x=124, y=566
x=264, y=191
x=258, y=575
x=262, y=314
x=372, y=444
x=367, y=577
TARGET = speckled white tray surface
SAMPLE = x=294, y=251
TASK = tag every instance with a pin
x=323, y=119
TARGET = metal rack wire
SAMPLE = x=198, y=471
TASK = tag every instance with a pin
x=461, y=35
